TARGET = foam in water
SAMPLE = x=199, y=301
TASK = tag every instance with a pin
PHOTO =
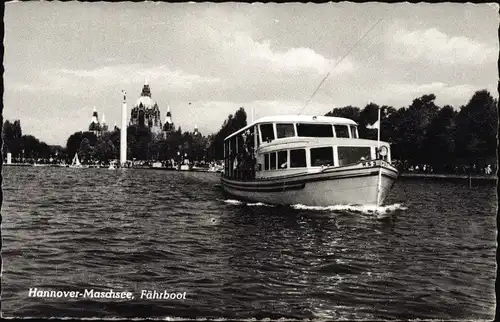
x=237, y=202
x=380, y=211
x=364, y=209
x=233, y=202
x=259, y=204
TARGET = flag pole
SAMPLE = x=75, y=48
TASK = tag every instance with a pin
x=379, y=183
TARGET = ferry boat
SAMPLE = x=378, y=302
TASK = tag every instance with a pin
x=308, y=160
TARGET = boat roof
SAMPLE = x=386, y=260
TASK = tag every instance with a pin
x=296, y=119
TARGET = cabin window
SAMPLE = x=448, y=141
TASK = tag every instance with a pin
x=233, y=148
x=353, y=154
x=315, y=130
x=240, y=141
x=272, y=157
x=353, y=131
x=267, y=132
x=342, y=131
x=266, y=161
x=257, y=135
x=298, y=158
x=226, y=158
x=282, y=159
x=322, y=157
x=285, y=130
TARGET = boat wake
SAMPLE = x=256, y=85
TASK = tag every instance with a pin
x=238, y=202
x=379, y=212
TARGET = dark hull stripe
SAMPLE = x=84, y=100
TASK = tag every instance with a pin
x=295, y=185
x=268, y=189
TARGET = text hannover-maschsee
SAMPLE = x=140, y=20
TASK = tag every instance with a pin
x=34, y=292
x=90, y=293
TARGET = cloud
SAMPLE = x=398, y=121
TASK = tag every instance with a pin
x=127, y=74
x=297, y=59
x=437, y=47
x=236, y=36
x=260, y=109
x=292, y=60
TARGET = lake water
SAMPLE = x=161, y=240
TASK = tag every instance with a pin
x=430, y=255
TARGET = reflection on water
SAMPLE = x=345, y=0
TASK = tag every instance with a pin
x=430, y=253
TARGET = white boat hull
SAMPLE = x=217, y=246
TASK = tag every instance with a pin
x=354, y=185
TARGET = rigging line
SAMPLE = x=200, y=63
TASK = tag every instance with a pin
x=350, y=50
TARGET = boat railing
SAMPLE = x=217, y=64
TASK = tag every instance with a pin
x=284, y=176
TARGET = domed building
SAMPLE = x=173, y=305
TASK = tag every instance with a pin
x=146, y=111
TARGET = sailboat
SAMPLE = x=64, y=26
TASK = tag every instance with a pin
x=112, y=166
x=76, y=162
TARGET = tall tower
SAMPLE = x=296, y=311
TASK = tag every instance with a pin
x=123, y=131
x=169, y=124
x=94, y=126
x=95, y=119
x=104, y=125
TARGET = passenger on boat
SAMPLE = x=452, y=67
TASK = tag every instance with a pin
x=235, y=163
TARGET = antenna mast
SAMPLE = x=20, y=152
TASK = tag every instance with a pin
x=350, y=50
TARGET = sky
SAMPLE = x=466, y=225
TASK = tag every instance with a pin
x=62, y=59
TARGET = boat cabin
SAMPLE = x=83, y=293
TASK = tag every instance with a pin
x=286, y=145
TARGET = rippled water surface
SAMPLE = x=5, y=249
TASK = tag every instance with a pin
x=431, y=254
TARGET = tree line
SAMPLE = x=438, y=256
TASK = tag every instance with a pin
x=444, y=138
x=26, y=147
x=142, y=145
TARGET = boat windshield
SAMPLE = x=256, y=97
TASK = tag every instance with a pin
x=314, y=130
x=267, y=132
x=353, y=154
x=322, y=157
x=341, y=131
x=285, y=130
